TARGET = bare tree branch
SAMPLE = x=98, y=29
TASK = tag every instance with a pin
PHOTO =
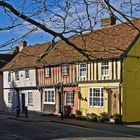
x=39, y=25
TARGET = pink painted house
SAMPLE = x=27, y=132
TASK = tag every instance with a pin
x=59, y=88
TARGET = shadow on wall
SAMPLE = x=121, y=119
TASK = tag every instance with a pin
x=11, y=102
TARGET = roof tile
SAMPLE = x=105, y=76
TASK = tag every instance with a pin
x=105, y=43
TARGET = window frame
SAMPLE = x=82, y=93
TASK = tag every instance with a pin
x=9, y=77
x=47, y=91
x=70, y=98
x=81, y=68
x=9, y=97
x=27, y=74
x=65, y=70
x=30, y=98
x=94, y=98
x=16, y=75
x=47, y=72
x=105, y=68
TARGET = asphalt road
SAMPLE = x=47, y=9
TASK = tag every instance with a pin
x=52, y=130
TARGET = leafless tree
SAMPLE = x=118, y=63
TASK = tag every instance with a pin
x=63, y=18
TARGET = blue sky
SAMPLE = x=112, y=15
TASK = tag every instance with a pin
x=5, y=36
x=38, y=36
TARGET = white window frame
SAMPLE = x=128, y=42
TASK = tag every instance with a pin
x=94, y=97
x=10, y=97
x=70, y=98
x=47, y=72
x=105, y=68
x=27, y=74
x=9, y=77
x=83, y=69
x=16, y=75
x=46, y=94
x=65, y=70
x=30, y=98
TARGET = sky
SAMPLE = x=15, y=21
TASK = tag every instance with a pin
x=35, y=38
x=38, y=36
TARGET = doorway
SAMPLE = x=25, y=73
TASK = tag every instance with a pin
x=60, y=102
x=22, y=102
x=114, y=102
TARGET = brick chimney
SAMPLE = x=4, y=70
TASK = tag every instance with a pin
x=106, y=22
x=22, y=45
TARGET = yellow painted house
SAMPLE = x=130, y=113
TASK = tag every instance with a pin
x=111, y=82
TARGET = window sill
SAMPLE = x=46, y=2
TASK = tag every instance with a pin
x=47, y=76
x=49, y=103
x=30, y=105
x=96, y=107
x=70, y=104
x=104, y=75
x=83, y=76
x=65, y=75
x=27, y=79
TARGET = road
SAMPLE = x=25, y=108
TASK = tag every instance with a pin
x=51, y=130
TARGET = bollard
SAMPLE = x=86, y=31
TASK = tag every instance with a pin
x=17, y=111
x=62, y=115
x=26, y=112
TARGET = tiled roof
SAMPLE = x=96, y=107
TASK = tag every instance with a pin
x=27, y=58
x=105, y=43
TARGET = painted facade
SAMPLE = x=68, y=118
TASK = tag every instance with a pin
x=52, y=81
x=4, y=59
x=20, y=89
x=120, y=87
x=108, y=85
x=131, y=84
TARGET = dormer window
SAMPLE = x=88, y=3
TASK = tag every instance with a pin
x=65, y=70
x=47, y=72
x=105, y=68
x=16, y=76
x=83, y=69
x=27, y=75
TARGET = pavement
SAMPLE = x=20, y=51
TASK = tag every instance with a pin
x=35, y=117
x=7, y=136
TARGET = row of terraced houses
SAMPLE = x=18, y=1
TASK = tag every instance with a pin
x=46, y=79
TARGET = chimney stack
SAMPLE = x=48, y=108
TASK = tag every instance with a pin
x=106, y=22
x=22, y=45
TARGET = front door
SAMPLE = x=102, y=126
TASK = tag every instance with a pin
x=60, y=102
x=114, y=102
x=22, y=102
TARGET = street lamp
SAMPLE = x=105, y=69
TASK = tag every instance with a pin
x=60, y=88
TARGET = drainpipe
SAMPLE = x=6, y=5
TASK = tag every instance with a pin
x=120, y=99
x=62, y=102
x=41, y=97
x=18, y=100
x=79, y=98
x=120, y=87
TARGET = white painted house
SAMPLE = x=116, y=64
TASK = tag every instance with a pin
x=20, y=82
x=20, y=89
